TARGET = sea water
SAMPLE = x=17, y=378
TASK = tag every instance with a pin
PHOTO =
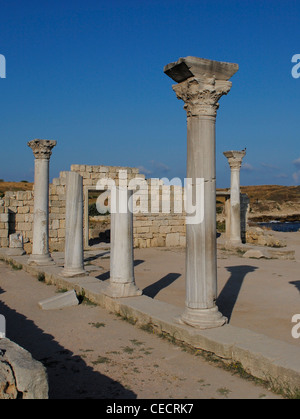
x=279, y=226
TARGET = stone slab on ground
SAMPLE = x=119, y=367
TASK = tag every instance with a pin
x=66, y=299
x=268, y=252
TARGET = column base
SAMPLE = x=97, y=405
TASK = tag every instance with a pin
x=16, y=252
x=203, y=318
x=233, y=242
x=119, y=290
x=41, y=260
x=73, y=272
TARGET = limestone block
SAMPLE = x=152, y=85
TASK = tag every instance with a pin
x=255, y=254
x=55, y=182
x=4, y=218
x=142, y=244
x=30, y=379
x=165, y=229
x=3, y=241
x=66, y=299
x=61, y=233
x=53, y=234
x=55, y=225
x=3, y=234
x=142, y=230
x=20, y=218
x=24, y=226
x=24, y=210
x=75, y=167
x=172, y=240
x=16, y=245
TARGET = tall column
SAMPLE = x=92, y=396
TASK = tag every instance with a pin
x=235, y=162
x=74, y=258
x=122, y=280
x=42, y=150
x=201, y=83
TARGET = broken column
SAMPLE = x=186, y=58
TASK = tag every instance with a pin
x=42, y=150
x=201, y=83
x=122, y=280
x=74, y=258
x=235, y=162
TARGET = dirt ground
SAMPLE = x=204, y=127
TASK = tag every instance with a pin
x=257, y=294
x=92, y=354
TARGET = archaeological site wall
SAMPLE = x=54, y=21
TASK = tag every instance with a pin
x=150, y=230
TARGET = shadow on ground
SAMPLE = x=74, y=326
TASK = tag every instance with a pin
x=296, y=284
x=229, y=294
x=106, y=275
x=68, y=374
x=153, y=289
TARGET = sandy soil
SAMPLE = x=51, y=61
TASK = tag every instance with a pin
x=91, y=354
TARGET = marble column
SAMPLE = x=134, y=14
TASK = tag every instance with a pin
x=74, y=257
x=235, y=162
x=122, y=280
x=201, y=83
x=42, y=150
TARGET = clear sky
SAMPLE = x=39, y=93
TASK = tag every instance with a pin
x=89, y=74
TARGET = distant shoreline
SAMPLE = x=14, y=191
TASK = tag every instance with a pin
x=291, y=218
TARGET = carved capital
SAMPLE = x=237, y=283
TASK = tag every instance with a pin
x=42, y=149
x=201, y=95
x=235, y=158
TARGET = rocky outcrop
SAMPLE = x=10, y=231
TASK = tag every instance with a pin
x=21, y=377
x=260, y=237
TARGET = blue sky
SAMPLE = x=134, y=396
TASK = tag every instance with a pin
x=89, y=74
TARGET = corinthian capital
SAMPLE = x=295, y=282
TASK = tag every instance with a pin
x=201, y=96
x=42, y=149
x=235, y=158
x=201, y=83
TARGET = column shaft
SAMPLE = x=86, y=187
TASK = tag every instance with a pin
x=235, y=231
x=201, y=274
x=122, y=280
x=42, y=150
x=201, y=83
x=74, y=257
x=235, y=162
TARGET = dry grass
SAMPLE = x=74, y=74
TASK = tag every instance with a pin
x=15, y=186
x=275, y=193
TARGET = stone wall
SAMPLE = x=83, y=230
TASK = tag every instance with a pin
x=151, y=229
x=159, y=231
x=4, y=226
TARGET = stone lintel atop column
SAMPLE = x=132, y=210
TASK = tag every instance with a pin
x=187, y=67
x=235, y=158
x=42, y=149
x=201, y=83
